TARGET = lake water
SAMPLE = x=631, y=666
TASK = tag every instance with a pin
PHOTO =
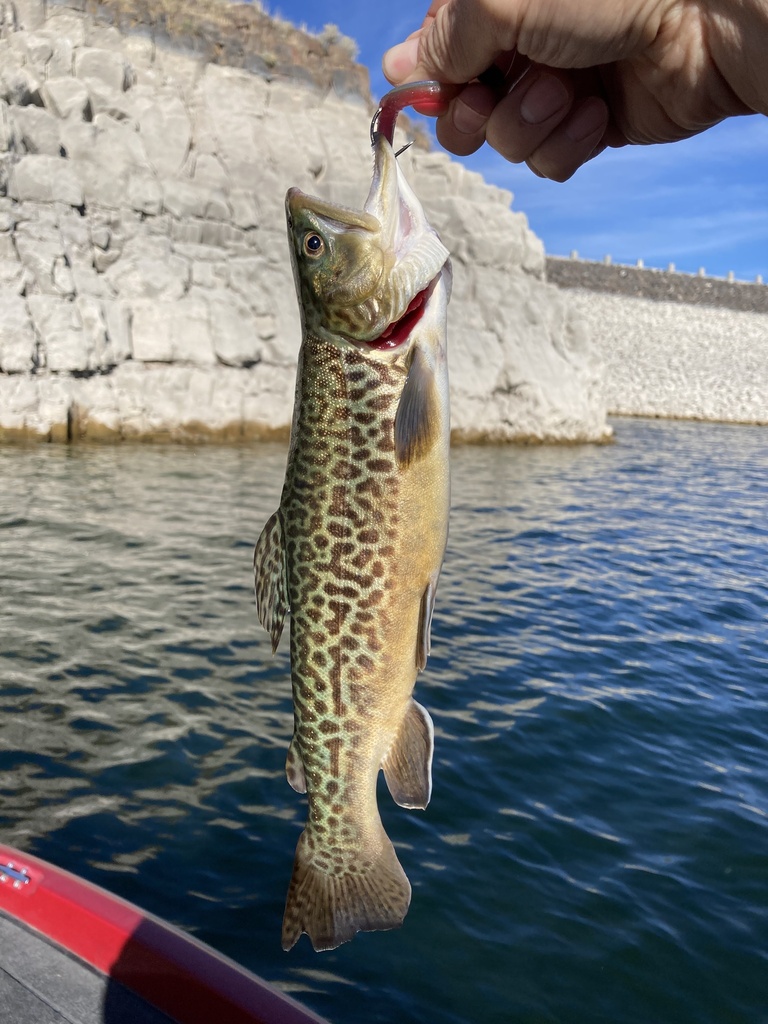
x=596, y=849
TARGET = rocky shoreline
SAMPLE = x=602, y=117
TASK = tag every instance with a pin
x=673, y=345
x=145, y=286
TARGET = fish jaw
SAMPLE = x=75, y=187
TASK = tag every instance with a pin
x=417, y=254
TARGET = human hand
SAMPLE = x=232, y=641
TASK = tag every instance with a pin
x=576, y=76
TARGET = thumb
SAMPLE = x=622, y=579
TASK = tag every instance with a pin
x=458, y=40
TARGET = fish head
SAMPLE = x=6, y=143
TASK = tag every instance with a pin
x=367, y=277
x=337, y=263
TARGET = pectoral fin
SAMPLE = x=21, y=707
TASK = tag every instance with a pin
x=294, y=768
x=417, y=421
x=270, y=578
x=408, y=762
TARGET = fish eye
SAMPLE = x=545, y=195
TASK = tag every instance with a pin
x=313, y=244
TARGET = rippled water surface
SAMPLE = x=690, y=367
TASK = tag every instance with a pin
x=596, y=849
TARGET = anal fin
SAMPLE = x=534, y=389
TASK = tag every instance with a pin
x=407, y=764
x=270, y=578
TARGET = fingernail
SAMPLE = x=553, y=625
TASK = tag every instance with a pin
x=535, y=170
x=543, y=100
x=466, y=119
x=586, y=120
x=400, y=60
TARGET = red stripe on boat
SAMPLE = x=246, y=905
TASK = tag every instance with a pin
x=170, y=970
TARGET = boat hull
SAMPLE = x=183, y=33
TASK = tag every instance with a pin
x=122, y=946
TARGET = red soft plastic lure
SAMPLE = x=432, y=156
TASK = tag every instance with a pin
x=431, y=98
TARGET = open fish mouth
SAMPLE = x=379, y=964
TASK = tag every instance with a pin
x=400, y=330
x=418, y=255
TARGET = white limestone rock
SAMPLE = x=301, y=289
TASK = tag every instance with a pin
x=183, y=199
x=161, y=277
x=35, y=406
x=103, y=99
x=145, y=194
x=37, y=50
x=204, y=276
x=165, y=128
x=39, y=255
x=13, y=277
x=105, y=156
x=7, y=129
x=29, y=14
x=140, y=51
x=269, y=392
x=86, y=279
x=104, y=37
x=63, y=281
x=117, y=318
x=44, y=179
x=62, y=58
x=56, y=324
x=246, y=211
x=208, y=170
x=65, y=97
x=235, y=339
x=72, y=334
x=230, y=107
x=65, y=22
x=165, y=402
x=19, y=86
x=94, y=331
x=172, y=332
x=18, y=344
x=108, y=67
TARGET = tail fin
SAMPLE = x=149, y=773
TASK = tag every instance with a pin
x=331, y=908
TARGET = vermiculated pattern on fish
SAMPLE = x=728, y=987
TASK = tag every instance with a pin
x=355, y=548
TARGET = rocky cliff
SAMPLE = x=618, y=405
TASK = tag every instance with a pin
x=145, y=287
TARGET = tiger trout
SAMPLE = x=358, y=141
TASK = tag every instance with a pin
x=355, y=548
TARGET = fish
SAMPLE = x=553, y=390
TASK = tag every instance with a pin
x=355, y=548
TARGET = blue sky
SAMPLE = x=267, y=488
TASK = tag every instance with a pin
x=699, y=203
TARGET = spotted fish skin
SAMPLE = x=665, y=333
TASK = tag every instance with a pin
x=354, y=551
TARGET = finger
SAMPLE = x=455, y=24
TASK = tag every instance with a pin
x=456, y=44
x=400, y=61
x=524, y=118
x=573, y=142
x=462, y=129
